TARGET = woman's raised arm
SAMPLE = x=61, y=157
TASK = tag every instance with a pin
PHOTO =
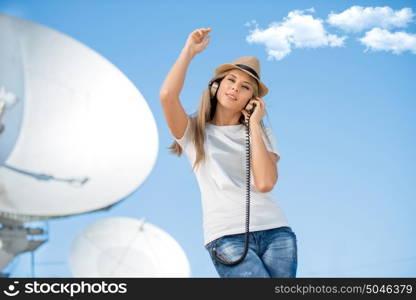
x=174, y=113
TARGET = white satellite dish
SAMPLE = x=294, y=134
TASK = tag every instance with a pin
x=78, y=136
x=126, y=247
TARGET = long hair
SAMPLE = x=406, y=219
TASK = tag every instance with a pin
x=205, y=113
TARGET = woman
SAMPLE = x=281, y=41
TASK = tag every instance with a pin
x=214, y=142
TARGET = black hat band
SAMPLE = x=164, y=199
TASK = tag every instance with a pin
x=247, y=68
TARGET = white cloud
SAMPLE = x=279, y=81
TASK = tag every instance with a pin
x=296, y=31
x=379, y=39
x=358, y=18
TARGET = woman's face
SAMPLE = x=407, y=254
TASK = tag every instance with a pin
x=236, y=89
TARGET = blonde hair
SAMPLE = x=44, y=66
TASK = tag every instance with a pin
x=205, y=113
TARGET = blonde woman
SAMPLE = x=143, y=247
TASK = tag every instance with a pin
x=215, y=141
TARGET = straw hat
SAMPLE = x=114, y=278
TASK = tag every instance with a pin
x=251, y=66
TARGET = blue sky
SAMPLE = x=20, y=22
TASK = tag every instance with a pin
x=341, y=106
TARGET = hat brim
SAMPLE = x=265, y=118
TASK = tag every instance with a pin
x=263, y=90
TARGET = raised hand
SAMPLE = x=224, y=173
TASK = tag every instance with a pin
x=197, y=40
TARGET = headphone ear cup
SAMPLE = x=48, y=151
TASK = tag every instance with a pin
x=214, y=88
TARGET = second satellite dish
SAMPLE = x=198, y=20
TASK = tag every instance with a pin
x=126, y=247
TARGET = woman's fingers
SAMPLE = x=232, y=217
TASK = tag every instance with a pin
x=202, y=31
x=199, y=35
x=258, y=100
x=200, y=38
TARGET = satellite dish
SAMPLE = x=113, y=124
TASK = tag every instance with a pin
x=126, y=247
x=77, y=135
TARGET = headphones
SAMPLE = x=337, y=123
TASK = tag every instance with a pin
x=214, y=87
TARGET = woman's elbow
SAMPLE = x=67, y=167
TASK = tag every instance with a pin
x=163, y=94
x=265, y=188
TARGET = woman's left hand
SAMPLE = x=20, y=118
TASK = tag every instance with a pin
x=258, y=112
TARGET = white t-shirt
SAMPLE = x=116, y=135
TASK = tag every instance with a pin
x=222, y=183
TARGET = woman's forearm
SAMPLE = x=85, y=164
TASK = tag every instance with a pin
x=264, y=168
x=174, y=81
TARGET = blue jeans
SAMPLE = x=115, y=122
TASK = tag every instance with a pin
x=272, y=253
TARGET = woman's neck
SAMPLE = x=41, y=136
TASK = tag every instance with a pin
x=224, y=119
